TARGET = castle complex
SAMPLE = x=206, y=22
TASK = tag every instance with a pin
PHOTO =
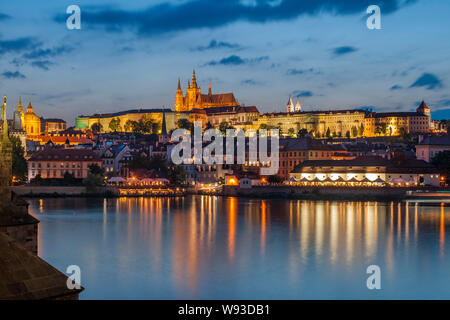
x=217, y=108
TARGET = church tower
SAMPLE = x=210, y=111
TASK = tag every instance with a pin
x=290, y=105
x=298, y=106
x=19, y=117
x=179, y=101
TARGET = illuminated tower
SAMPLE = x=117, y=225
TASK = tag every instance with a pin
x=290, y=105
x=19, y=117
x=179, y=101
x=298, y=106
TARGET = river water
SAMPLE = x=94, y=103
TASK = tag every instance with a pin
x=207, y=247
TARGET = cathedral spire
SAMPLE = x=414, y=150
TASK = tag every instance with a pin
x=194, y=80
x=179, y=85
x=209, y=88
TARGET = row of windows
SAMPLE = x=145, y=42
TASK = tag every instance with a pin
x=62, y=165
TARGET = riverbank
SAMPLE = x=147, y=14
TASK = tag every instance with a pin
x=327, y=193
x=257, y=192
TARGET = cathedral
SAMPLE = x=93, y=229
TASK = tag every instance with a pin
x=194, y=99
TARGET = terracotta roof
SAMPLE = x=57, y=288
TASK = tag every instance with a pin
x=397, y=114
x=221, y=98
x=65, y=155
x=23, y=275
x=54, y=120
x=436, y=140
x=307, y=144
x=63, y=139
x=230, y=109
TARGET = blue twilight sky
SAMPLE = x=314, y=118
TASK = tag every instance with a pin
x=129, y=54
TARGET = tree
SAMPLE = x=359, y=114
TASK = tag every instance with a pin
x=442, y=162
x=177, y=176
x=291, y=132
x=128, y=127
x=302, y=133
x=274, y=179
x=69, y=179
x=96, y=169
x=97, y=127
x=94, y=178
x=114, y=124
x=19, y=164
x=92, y=181
x=155, y=127
x=37, y=180
x=185, y=124
x=361, y=130
x=328, y=133
x=209, y=126
x=347, y=134
x=354, y=131
x=224, y=126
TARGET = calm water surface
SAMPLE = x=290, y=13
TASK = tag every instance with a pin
x=202, y=247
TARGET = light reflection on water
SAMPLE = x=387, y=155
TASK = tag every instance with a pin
x=210, y=247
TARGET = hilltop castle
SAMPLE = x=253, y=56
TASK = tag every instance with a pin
x=194, y=99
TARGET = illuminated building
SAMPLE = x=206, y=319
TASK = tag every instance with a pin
x=156, y=115
x=54, y=163
x=366, y=171
x=431, y=146
x=32, y=122
x=295, y=151
x=194, y=99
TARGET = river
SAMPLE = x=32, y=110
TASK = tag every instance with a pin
x=207, y=247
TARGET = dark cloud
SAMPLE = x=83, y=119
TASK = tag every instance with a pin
x=13, y=75
x=234, y=60
x=339, y=51
x=302, y=94
x=294, y=72
x=396, y=87
x=429, y=81
x=42, y=64
x=4, y=16
x=174, y=17
x=214, y=44
x=18, y=45
x=40, y=53
x=251, y=82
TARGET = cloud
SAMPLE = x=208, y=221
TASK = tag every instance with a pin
x=42, y=64
x=4, y=16
x=294, y=72
x=251, y=82
x=174, y=17
x=13, y=75
x=40, y=53
x=235, y=60
x=214, y=44
x=396, y=87
x=340, y=51
x=429, y=81
x=18, y=45
x=302, y=94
